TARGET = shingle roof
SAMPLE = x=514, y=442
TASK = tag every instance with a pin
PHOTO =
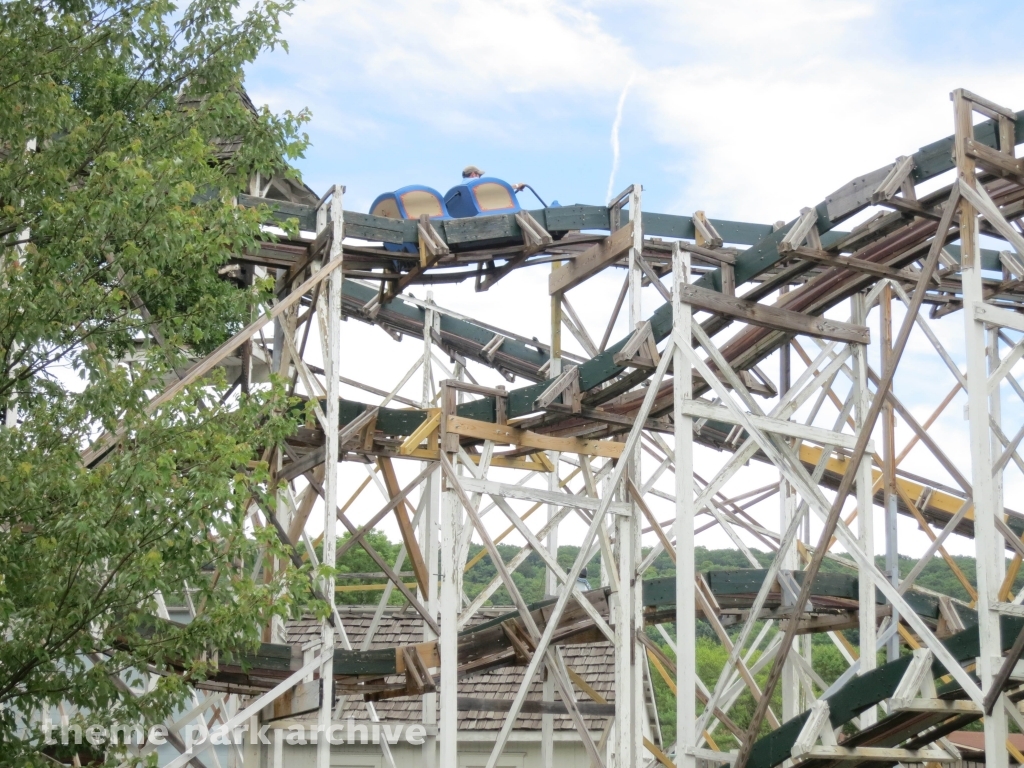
x=595, y=663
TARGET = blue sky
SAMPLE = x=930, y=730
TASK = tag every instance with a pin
x=747, y=110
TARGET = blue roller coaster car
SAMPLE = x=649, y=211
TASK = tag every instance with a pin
x=481, y=197
x=473, y=197
x=409, y=203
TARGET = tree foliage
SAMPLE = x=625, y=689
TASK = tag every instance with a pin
x=116, y=213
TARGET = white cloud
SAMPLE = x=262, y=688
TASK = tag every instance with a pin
x=466, y=50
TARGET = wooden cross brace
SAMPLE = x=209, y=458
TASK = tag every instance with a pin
x=899, y=178
x=535, y=237
x=535, y=240
x=804, y=230
x=418, y=679
x=522, y=643
x=705, y=234
x=564, y=389
x=640, y=351
x=432, y=247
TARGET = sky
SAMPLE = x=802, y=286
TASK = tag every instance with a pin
x=746, y=110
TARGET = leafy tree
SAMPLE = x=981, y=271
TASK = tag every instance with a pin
x=115, y=215
x=356, y=560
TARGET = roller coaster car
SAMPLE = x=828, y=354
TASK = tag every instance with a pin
x=474, y=197
x=409, y=203
x=481, y=197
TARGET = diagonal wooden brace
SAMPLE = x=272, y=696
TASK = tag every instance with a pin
x=706, y=235
x=418, y=679
x=535, y=240
x=816, y=727
x=897, y=178
x=535, y=237
x=640, y=351
x=917, y=681
x=564, y=389
x=522, y=643
x=490, y=349
x=801, y=231
x=432, y=247
x=412, y=547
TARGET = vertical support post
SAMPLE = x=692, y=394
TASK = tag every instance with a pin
x=428, y=537
x=889, y=495
x=636, y=274
x=547, y=725
x=451, y=590
x=686, y=618
x=628, y=669
x=332, y=364
x=429, y=529
x=989, y=549
x=251, y=749
x=429, y=525
x=995, y=412
x=788, y=560
x=284, y=333
x=865, y=509
x=547, y=745
x=428, y=326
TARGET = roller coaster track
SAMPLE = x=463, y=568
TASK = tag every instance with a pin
x=921, y=703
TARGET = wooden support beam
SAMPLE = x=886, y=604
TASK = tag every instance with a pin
x=1001, y=317
x=701, y=409
x=800, y=230
x=565, y=389
x=773, y=317
x=891, y=184
x=529, y=493
x=522, y=643
x=535, y=240
x=857, y=265
x=412, y=546
x=640, y=351
x=607, y=417
x=432, y=247
x=987, y=107
x=597, y=697
x=430, y=425
x=664, y=660
x=887, y=755
x=357, y=537
x=418, y=679
x=506, y=435
x=706, y=235
x=305, y=506
x=592, y=260
x=722, y=257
